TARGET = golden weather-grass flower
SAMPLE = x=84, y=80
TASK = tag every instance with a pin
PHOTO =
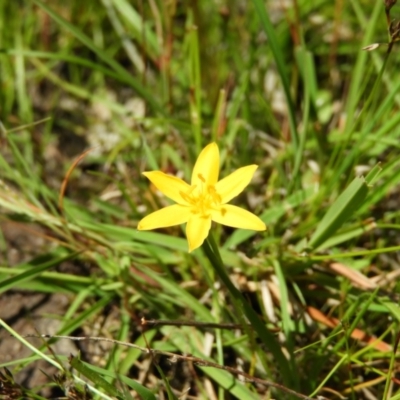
x=204, y=200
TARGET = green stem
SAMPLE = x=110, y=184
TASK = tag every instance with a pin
x=244, y=309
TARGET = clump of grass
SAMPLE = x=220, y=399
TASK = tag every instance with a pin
x=308, y=309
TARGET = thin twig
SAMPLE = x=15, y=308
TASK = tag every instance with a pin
x=165, y=322
x=185, y=357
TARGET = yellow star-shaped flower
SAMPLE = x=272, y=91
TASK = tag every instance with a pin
x=204, y=200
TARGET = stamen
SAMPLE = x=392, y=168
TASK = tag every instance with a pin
x=185, y=196
x=214, y=195
x=202, y=198
x=201, y=177
x=188, y=195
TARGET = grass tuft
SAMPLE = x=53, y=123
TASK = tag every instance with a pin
x=95, y=93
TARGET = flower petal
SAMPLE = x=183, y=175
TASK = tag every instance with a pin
x=169, y=185
x=206, y=169
x=237, y=217
x=233, y=184
x=197, y=230
x=167, y=216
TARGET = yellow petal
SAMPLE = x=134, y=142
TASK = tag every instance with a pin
x=197, y=230
x=233, y=184
x=236, y=217
x=206, y=169
x=167, y=216
x=169, y=185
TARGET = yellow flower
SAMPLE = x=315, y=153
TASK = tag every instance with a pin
x=204, y=200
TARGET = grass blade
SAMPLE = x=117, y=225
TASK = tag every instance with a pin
x=340, y=211
x=103, y=55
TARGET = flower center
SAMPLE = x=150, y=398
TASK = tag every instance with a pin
x=203, y=198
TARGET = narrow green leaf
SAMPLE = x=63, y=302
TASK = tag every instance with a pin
x=103, y=55
x=170, y=393
x=270, y=216
x=138, y=27
x=340, y=211
x=281, y=66
x=33, y=272
x=187, y=342
x=75, y=323
x=61, y=56
x=132, y=355
x=344, y=235
x=245, y=309
x=151, y=163
x=86, y=370
x=372, y=176
x=143, y=392
x=393, y=308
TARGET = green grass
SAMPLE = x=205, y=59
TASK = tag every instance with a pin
x=145, y=86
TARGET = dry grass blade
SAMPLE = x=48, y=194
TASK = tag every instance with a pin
x=354, y=276
x=357, y=334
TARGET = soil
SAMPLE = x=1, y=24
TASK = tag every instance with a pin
x=29, y=313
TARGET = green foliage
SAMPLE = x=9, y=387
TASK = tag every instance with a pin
x=311, y=304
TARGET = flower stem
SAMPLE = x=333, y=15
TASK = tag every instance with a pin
x=243, y=308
